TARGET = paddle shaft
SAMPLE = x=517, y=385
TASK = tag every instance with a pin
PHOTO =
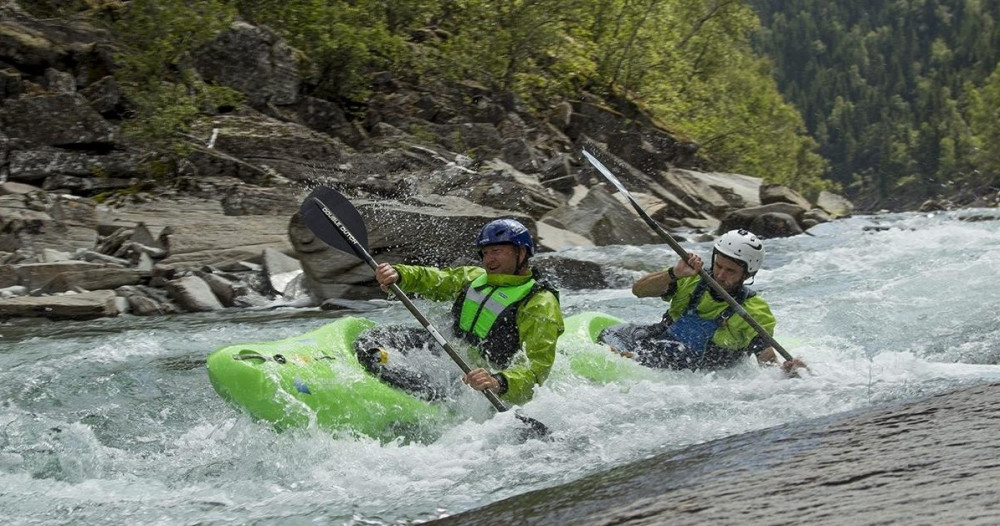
x=684, y=256
x=359, y=249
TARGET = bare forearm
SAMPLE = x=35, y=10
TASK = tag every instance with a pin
x=656, y=284
x=652, y=285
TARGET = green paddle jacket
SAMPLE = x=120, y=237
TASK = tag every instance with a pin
x=539, y=321
x=734, y=333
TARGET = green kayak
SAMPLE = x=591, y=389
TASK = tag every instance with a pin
x=316, y=379
x=587, y=359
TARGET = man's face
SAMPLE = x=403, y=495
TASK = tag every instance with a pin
x=728, y=272
x=500, y=259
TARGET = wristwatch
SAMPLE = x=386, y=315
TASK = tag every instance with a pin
x=670, y=272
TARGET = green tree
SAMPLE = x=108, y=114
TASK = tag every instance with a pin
x=157, y=38
x=881, y=88
x=345, y=41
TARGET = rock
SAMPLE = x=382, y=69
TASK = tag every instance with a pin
x=11, y=187
x=37, y=275
x=83, y=306
x=744, y=218
x=53, y=167
x=701, y=194
x=254, y=61
x=775, y=224
x=61, y=120
x=436, y=231
x=776, y=193
x=603, y=219
x=8, y=276
x=558, y=174
x=269, y=146
x=835, y=205
x=192, y=294
x=147, y=301
x=280, y=269
x=936, y=205
x=498, y=185
x=570, y=273
x=245, y=200
x=222, y=288
x=329, y=118
x=104, y=96
x=93, y=279
x=921, y=461
x=195, y=232
x=36, y=221
x=552, y=237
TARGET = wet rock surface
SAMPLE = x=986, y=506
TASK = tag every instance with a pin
x=929, y=461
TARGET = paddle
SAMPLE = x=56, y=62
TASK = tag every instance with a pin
x=684, y=256
x=345, y=230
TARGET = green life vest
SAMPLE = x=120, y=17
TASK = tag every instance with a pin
x=486, y=316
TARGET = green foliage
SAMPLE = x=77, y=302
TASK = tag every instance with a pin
x=51, y=8
x=892, y=91
x=159, y=35
x=168, y=108
x=689, y=62
x=154, y=70
x=344, y=40
x=984, y=119
x=496, y=42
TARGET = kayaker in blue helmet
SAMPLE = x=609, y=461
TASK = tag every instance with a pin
x=510, y=319
x=700, y=330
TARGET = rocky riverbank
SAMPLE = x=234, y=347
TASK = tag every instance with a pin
x=927, y=461
x=94, y=223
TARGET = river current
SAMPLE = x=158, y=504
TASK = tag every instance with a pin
x=113, y=421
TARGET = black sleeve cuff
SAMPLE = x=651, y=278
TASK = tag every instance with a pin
x=502, y=380
x=757, y=346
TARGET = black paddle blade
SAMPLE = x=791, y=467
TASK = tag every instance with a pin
x=533, y=429
x=316, y=220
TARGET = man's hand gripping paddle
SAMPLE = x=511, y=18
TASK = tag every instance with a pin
x=335, y=221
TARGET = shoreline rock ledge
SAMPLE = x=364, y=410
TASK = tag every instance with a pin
x=928, y=461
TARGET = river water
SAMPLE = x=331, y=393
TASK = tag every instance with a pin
x=113, y=421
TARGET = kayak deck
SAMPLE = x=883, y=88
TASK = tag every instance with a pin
x=315, y=379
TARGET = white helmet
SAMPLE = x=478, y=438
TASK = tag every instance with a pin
x=743, y=246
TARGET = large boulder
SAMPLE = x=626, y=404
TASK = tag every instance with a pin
x=835, y=205
x=254, y=61
x=768, y=221
x=35, y=221
x=83, y=306
x=498, y=185
x=602, y=218
x=288, y=149
x=65, y=120
x=436, y=230
x=776, y=193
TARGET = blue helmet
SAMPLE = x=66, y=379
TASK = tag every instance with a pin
x=503, y=232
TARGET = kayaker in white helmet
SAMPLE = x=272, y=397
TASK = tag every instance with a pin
x=699, y=330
